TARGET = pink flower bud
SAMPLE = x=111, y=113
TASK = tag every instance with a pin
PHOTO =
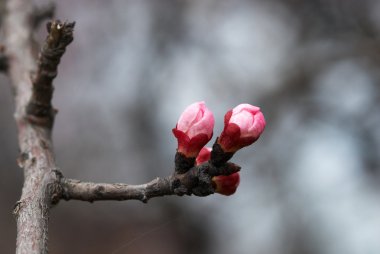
x=203, y=156
x=194, y=129
x=243, y=125
x=226, y=185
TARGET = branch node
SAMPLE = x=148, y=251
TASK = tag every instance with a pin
x=22, y=158
x=55, y=189
x=144, y=198
x=17, y=208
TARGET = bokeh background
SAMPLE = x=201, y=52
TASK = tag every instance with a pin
x=310, y=185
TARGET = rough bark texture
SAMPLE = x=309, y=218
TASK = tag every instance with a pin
x=39, y=108
x=36, y=150
x=36, y=158
x=86, y=191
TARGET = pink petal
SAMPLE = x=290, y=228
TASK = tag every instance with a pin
x=203, y=156
x=205, y=125
x=246, y=107
x=192, y=114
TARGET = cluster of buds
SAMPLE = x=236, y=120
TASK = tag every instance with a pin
x=243, y=125
x=222, y=184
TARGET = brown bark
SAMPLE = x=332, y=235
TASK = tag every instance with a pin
x=36, y=149
x=196, y=181
x=86, y=191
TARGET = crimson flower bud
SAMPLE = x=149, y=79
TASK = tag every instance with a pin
x=243, y=125
x=194, y=129
x=226, y=185
x=203, y=156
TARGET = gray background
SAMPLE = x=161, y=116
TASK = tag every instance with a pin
x=310, y=185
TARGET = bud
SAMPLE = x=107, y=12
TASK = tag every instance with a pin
x=243, y=125
x=203, y=156
x=194, y=129
x=226, y=185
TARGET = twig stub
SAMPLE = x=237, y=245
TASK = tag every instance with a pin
x=39, y=109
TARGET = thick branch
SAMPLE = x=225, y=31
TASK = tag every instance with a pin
x=36, y=149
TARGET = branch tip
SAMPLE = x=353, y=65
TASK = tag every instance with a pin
x=39, y=108
x=59, y=33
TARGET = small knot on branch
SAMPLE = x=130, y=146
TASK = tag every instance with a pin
x=17, y=207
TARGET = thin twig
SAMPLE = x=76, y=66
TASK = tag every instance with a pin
x=60, y=36
x=196, y=181
x=87, y=191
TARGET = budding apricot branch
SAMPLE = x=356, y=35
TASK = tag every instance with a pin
x=198, y=170
x=243, y=125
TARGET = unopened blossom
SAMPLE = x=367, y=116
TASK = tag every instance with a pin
x=226, y=185
x=243, y=125
x=203, y=156
x=194, y=129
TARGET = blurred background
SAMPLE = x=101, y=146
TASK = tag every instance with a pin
x=310, y=185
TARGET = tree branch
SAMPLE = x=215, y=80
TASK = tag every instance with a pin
x=36, y=149
x=86, y=191
x=196, y=181
x=39, y=108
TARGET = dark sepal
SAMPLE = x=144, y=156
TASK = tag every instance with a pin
x=204, y=185
x=226, y=169
x=218, y=156
x=183, y=163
